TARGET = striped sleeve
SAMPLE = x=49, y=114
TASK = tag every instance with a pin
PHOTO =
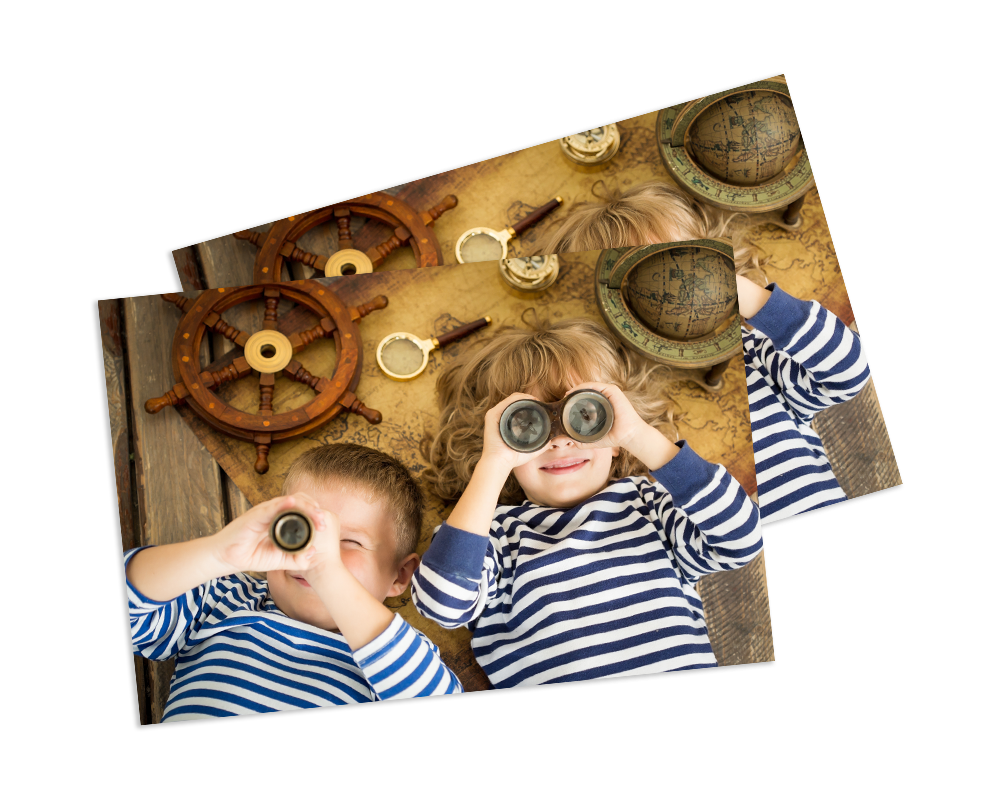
x=160, y=630
x=401, y=662
x=813, y=357
x=456, y=577
x=710, y=522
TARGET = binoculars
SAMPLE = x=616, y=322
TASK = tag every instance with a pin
x=291, y=531
x=583, y=415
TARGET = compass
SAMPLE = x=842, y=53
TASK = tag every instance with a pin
x=592, y=147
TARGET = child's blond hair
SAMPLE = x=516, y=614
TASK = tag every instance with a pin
x=376, y=476
x=649, y=213
x=545, y=359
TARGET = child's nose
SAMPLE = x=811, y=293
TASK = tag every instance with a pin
x=562, y=440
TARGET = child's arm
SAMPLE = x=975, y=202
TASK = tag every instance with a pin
x=814, y=359
x=395, y=658
x=460, y=571
x=711, y=524
x=173, y=588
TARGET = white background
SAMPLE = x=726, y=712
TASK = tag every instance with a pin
x=132, y=129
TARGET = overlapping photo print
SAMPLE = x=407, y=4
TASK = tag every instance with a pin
x=603, y=527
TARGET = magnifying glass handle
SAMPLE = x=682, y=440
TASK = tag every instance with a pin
x=462, y=332
x=535, y=216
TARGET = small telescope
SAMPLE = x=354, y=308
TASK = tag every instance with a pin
x=291, y=531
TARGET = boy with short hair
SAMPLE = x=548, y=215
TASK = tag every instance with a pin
x=315, y=632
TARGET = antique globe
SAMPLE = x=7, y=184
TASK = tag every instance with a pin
x=684, y=294
x=745, y=139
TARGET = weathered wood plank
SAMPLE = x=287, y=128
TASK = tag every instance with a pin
x=186, y=260
x=224, y=262
x=112, y=344
x=179, y=489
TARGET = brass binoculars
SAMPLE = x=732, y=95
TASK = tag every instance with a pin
x=291, y=531
x=583, y=415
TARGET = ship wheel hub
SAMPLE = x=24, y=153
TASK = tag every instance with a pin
x=268, y=352
x=348, y=262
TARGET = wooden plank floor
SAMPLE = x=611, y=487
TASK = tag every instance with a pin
x=179, y=488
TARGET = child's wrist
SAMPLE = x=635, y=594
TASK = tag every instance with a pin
x=492, y=469
x=651, y=447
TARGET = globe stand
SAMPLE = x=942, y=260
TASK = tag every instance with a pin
x=707, y=356
x=784, y=192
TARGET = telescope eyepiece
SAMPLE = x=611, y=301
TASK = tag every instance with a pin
x=291, y=531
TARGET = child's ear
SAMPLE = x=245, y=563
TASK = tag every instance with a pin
x=615, y=451
x=403, y=575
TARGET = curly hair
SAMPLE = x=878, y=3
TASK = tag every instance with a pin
x=545, y=360
x=374, y=475
x=646, y=214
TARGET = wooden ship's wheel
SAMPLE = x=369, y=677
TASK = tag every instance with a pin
x=267, y=353
x=408, y=227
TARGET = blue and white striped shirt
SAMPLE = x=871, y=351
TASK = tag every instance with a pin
x=237, y=653
x=604, y=588
x=800, y=360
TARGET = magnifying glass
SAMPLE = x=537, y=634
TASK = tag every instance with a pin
x=486, y=244
x=402, y=356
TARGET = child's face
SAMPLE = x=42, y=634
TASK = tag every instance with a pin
x=564, y=474
x=367, y=548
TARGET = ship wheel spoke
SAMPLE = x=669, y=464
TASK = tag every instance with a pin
x=263, y=444
x=431, y=215
x=377, y=302
x=251, y=236
x=343, y=217
x=271, y=299
x=266, y=385
x=239, y=368
x=378, y=253
x=302, y=339
x=297, y=372
x=216, y=323
x=295, y=253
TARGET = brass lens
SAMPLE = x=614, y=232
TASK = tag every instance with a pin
x=402, y=357
x=525, y=426
x=481, y=247
x=587, y=416
x=291, y=531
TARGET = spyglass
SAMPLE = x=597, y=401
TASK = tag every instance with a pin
x=403, y=356
x=291, y=531
x=486, y=244
x=584, y=416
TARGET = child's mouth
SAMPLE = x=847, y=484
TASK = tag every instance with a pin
x=564, y=466
x=300, y=579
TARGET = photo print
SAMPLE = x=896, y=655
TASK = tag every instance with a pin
x=732, y=164
x=476, y=485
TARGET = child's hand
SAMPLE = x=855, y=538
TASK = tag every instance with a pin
x=630, y=430
x=245, y=545
x=628, y=424
x=495, y=449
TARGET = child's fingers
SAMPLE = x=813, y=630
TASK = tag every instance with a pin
x=498, y=409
